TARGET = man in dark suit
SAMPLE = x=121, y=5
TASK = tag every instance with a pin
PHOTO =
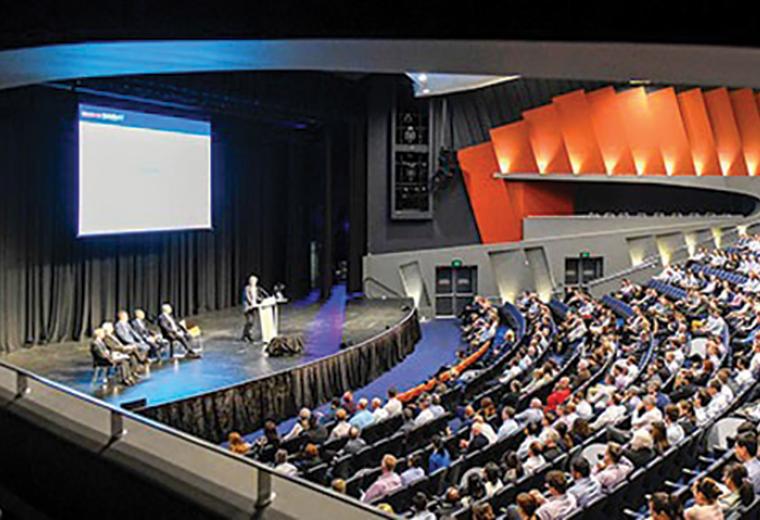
x=140, y=327
x=103, y=357
x=252, y=296
x=138, y=358
x=128, y=336
x=175, y=331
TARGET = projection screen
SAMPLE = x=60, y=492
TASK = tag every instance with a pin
x=142, y=172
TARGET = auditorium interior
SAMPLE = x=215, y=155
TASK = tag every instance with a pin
x=324, y=261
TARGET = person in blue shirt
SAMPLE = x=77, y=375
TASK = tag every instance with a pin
x=440, y=457
x=363, y=417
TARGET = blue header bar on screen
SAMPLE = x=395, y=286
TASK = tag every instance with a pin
x=129, y=118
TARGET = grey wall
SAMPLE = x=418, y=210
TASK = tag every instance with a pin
x=506, y=269
x=544, y=227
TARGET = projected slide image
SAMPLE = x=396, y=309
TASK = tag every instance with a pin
x=142, y=172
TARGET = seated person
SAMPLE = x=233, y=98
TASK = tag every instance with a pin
x=127, y=335
x=559, y=504
x=138, y=358
x=237, y=444
x=155, y=341
x=386, y=483
x=706, y=493
x=613, y=469
x=103, y=356
x=176, y=331
x=641, y=451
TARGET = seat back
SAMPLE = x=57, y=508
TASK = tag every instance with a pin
x=591, y=453
x=721, y=431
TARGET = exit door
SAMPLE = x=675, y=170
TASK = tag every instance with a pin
x=455, y=287
x=580, y=271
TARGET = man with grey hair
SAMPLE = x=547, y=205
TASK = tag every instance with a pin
x=533, y=414
x=175, y=331
x=252, y=296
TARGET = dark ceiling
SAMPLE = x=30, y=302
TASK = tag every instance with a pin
x=37, y=22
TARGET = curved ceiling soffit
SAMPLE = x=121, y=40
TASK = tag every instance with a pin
x=659, y=63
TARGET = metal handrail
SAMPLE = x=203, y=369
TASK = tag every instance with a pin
x=265, y=473
x=382, y=285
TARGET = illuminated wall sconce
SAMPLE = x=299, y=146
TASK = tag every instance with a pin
x=691, y=242
x=717, y=234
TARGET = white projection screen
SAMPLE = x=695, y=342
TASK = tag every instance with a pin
x=142, y=172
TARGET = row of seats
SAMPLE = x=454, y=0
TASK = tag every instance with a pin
x=721, y=274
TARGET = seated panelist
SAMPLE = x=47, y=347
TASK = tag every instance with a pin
x=128, y=336
x=103, y=356
x=176, y=331
x=138, y=357
x=141, y=328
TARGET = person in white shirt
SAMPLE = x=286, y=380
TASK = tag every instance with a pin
x=342, y=428
x=718, y=401
x=435, y=406
x=614, y=411
x=393, y=406
x=744, y=375
x=486, y=429
x=535, y=458
x=508, y=425
x=673, y=430
x=282, y=466
x=533, y=414
x=426, y=414
x=300, y=425
x=646, y=413
x=754, y=364
x=378, y=412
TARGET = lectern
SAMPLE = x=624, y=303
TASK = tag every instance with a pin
x=268, y=317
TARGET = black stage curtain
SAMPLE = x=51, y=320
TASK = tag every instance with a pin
x=244, y=407
x=55, y=287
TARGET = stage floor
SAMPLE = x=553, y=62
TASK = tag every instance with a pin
x=226, y=360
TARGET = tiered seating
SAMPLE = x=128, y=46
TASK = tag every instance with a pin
x=619, y=348
x=620, y=308
x=722, y=274
x=671, y=291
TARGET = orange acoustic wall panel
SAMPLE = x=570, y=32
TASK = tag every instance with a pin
x=578, y=132
x=671, y=134
x=640, y=132
x=748, y=121
x=512, y=147
x=728, y=144
x=494, y=214
x=697, y=123
x=610, y=136
x=546, y=140
x=541, y=198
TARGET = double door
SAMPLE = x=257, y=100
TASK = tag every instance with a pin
x=454, y=288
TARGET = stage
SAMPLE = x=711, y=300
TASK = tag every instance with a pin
x=226, y=360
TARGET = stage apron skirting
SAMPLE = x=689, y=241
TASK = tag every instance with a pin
x=245, y=406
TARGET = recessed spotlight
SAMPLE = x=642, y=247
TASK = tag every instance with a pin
x=426, y=91
x=422, y=77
